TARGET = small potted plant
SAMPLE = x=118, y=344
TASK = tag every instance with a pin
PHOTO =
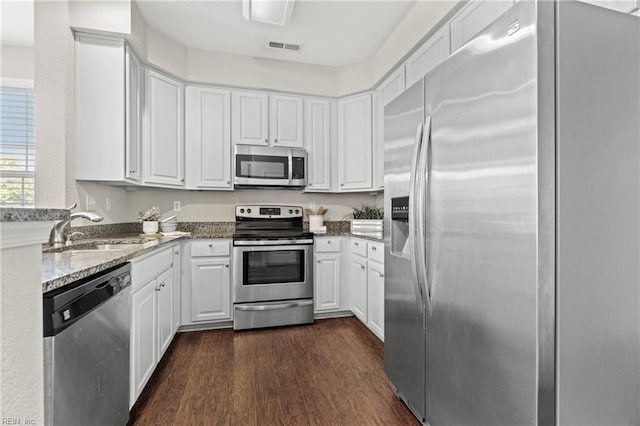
x=149, y=219
x=367, y=220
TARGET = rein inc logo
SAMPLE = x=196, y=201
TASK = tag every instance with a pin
x=16, y=421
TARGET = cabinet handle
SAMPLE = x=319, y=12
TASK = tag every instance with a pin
x=132, y=171
x=361, y=266
x=381, y=275
x=177, y=251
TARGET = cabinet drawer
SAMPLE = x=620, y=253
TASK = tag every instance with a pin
x=149, y=267
x=376, y=252
x=327, y=245
x=359, y=247
x=209, y=248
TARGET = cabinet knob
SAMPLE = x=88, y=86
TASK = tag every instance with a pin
x=381, y=275
x=266, y=140
x=356, y=244
x=361, y=266
x=310, y=184
x=211, y=245
x=132, y=171
x=342, y=184
x=228, y=182
x=177, y=251
x=318, y=261
x=162, y=285
x=226, y=266
x=157, y=289
x=329, y=242
x=275, y=140
x=374, y=248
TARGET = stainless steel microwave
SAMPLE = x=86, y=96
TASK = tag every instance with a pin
x=269, y=167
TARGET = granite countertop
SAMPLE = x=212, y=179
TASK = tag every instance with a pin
x=21, y=214
x=60, y=268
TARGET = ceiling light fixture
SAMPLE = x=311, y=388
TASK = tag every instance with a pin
x=277, y=12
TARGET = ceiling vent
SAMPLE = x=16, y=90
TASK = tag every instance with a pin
x=279, y=45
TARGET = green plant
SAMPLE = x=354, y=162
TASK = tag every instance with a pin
x=151, y=215
x=366, y=211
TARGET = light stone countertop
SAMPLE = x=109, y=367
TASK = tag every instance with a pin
x=23, y=214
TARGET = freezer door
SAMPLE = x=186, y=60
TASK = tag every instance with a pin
x=404, y=348
x=481, y=229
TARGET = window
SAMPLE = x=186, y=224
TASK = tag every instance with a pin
x=17, y=147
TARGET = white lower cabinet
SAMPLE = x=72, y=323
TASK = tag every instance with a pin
x=206, y=293
x=330, y=282
x=152, y=319
x=366, y=275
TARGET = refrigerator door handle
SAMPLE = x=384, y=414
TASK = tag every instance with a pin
x=422, y=186
x=413, y=196
x=426, y=214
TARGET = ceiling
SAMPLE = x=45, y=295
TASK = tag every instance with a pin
x=332, y=32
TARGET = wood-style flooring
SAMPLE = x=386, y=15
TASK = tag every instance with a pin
x=328, y=373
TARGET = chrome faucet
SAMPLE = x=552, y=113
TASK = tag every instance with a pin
x=56, y=238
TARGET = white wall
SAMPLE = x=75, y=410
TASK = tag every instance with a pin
x=101, y=15
x=166, y=54
x=219, y=206
x=16, y=62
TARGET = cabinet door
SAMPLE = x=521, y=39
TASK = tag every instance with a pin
x=164, y=141
x=375, y=281
x=165, y=310
x=358, y=280
x=317, y=128
x=385, y=93
x=431, y=53
x=355, y=142
x=133, y=128
x=143, y=338
x=327, y=282
x=211, y=289
x=285, y=115
x=476, y=15
x=208, y=138
x=177, y=286
x=99, y=108
x=249, y=118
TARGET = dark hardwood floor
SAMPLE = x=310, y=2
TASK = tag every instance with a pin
x=328, y=373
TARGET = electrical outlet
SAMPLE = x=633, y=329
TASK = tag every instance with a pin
x=91, y=203
x=107, y=204
x=177, y=206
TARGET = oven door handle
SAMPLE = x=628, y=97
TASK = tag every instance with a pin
x=273, y=307
x=273, y=242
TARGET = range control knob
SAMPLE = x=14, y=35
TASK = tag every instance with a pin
x=241, y=210
x=297, y=211
x=290, y=211
x=248, y=210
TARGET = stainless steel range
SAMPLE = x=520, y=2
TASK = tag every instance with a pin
x=272, y=267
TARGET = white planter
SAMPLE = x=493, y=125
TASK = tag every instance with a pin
x=315, y=222
x=367, y=227
x=149, y=227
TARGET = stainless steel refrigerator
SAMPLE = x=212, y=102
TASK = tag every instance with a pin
x=512, y=225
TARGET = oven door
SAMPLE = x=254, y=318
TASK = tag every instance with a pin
x=270, y=273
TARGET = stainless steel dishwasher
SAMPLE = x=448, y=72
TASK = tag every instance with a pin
x=86, y=350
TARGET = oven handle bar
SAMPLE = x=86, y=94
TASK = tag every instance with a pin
x=273, y=307
x=273, y=242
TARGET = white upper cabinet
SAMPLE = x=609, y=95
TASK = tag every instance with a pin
x=208, y=138
x=164, y=138
x=387, y=91
x=355, y=143
x=134, y=107
x=475, y=16
x=107, y=101
x=285, y=127
x=250, y=122
x=317, y=126
x=431, y=53
x=263, y=120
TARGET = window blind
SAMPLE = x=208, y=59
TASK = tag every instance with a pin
x=17, y=147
